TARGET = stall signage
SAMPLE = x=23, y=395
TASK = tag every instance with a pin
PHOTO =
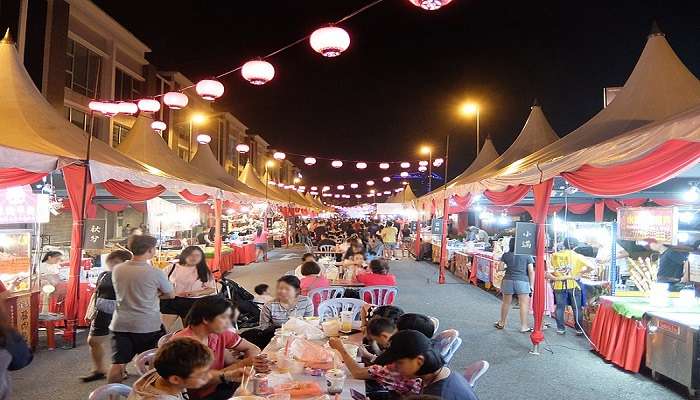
x=483, y=269
x=268, y=222
x=642, y=223
x=694, y=267
x=18, y=205
x=224, y=227
x=94, y=234
x=525, y=238
x=413, y=225
x=437, y=226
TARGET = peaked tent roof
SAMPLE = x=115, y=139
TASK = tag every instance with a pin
x=403, y=196
x=206, y=164
x=251, y=179
x=659, y=94
x=276, y=191
x=536, y=134
x=142, y=144
x=31, y=124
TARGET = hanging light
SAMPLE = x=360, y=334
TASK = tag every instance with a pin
x=175, y=100
x=271, y=182
x=96, y=106
x=379, y=194
x=309, y=161
x=404, y=174
x=337, y=196
x=340, y=187
x=258, y=72
x=361, y=165
x=405, y=165
x=327, y=195
x=358, y=196
x=438, y=162
x=278, y=155
x=314, y=193
x=423, y=163
x=110, y=108
x=281, y=185
x=314, y=188
x=386, y=179
x=203, y=138
x=336, y=164
x=370, y=195
x=302, y=187
x=346, y=196
x=242, y=148
x=149, y=105
x=398, y=190
x=372, y=191
x=384, y=165
x=387, y=192
x=354, y=185
x=404, y=183
x=209, y=89
x=326, y=188
x=370, y=183
x=430, y=5
x=158, y=126
x=422, y=169
x=330, y=41
x=127, y=107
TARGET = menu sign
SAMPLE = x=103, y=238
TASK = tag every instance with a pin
x=694, y=267
x=643, y=223
x=95, y=234
x=437, y=226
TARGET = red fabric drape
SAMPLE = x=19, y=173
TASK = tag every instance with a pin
x=633, y=202
x=74, y=177
x=543, y=192
x=508, y=197
x=443, y=241
x=599, y=210
x=459, y=203
x=612, y=204
x=114, y=207
x=130, y=192
x=579, y=208
x=551, y=209
x=462, y=222
x=216, y=263
x=10, y=177
x=663, y=163
x=140, y=207
x=193, y=198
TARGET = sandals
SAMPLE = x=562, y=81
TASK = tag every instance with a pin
x=528, y=330
x=498, y=325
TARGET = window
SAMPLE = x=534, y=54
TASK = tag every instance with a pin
x=82, y=70
x=183, y=152
x=125, y=86
x=119, y=132
x=78, y=118
x=231, y=153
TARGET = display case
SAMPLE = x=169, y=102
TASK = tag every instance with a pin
x=15, y=259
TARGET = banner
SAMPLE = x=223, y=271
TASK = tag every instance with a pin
x=644, y=223
x=18, y=205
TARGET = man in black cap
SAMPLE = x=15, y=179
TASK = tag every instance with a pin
x=413, y=356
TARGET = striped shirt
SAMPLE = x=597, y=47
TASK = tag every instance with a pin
x=275, y=314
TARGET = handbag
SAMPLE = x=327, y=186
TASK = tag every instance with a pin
x=105, y=305
x=91, y=311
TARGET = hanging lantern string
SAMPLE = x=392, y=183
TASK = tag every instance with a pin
x=343, y=160
x=294, y=43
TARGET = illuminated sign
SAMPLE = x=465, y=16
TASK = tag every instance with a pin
x=18, y=205
x=642, y=223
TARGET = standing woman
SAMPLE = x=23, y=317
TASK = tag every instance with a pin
x=261, y=244
x=105, y=303
x=518, y=281
x=191, y=279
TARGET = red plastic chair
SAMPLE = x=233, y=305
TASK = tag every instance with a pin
x=379, y=295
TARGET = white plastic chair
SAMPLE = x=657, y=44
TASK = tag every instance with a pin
x=144, y=360
x=475, y=370
x=110, y=391
x=447, y=343
x=164, y=339
x=326, y=250
x=331, y=308
x=380, y=295
x=436, y=324
x=320, y=295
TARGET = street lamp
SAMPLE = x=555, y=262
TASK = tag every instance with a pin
x=467, y=110
x=195, y=119
x=429, y=151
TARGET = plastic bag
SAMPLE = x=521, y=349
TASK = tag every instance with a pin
x=303, y=329
x=311, y=354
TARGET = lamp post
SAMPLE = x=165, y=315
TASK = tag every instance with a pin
x=429, y=151
x=443, y=240
x=195, y=119
x=469, y=109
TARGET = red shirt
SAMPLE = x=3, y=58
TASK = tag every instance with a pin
x=218, y=343
x=313, y=282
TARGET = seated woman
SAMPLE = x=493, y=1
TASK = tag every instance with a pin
x=288, y=303
x=413, y=356
x=375, y=247
x=379, y=275
x=353, y=266
x=311, y=278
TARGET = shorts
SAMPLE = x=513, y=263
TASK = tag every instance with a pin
x=391, y=246
x=261, y=246
x=515, y=287
x=126, y=345
x=100, y=325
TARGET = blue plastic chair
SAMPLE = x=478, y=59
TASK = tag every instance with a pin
x=475, y=370
x=332, y=308
x=110, y=391
x=144, y=361
x=447, y=344
x=320, y=295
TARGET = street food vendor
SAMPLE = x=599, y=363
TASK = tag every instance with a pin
x=671, y=262
x=478, y=235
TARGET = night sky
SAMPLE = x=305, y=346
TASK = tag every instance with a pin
x=407, y=70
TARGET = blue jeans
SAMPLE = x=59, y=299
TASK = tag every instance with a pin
x=570, y=297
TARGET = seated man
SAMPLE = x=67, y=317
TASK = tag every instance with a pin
x=179, y=365
x=209, y=322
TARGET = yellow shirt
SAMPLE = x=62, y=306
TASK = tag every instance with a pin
x=564, y=261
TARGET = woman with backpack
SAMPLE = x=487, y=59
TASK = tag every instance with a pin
x=192, y=280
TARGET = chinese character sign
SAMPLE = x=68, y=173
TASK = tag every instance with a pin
x=642, y=223
x=525, y=238
x=437, y=226
x=94, y=234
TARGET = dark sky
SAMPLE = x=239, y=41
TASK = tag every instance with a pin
x=406, y=71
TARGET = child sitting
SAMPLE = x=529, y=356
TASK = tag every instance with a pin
x=262, y=294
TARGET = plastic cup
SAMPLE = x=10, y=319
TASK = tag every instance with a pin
x=346, y=321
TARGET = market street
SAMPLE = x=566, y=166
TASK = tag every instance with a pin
x=571, y=370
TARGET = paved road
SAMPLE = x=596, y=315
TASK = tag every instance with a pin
x=570, y=370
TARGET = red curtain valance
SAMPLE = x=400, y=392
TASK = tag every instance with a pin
x=130, y=192
x=10, y=177
x=579, y=208
x=663, y=163
x=193, y=198
x=140, y=207
x=459, y=203
x=508, y=197
x=114, y=207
